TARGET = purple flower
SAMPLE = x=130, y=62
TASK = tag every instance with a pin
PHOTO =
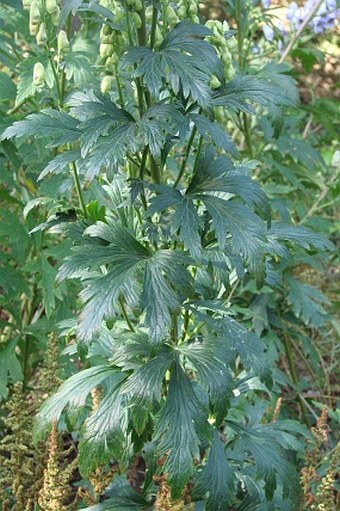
x=323, y=19
x=331, y=5
x=293, y=7
x=268, y=32
x=266, y=3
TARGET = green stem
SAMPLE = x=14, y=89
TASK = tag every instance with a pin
x=154, y=170
x=247, y=134
x=185, y=324
x=78, y=189
x=141, y=32
x=153, y=26
x=174, y=330
x=238, y=15
x=126, y=317
x=198, y=153
x=186, y=156
x=119, y=89
x=55, y=74
x=63, y=74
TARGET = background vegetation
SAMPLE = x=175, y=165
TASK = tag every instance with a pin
x=168, y=273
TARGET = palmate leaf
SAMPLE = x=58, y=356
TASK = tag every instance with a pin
x=73, y=393
x=184, y=59
x=159, y=124
x=307, y=303
x=124, y=256
x=214, y=184
x=103, y=435
x=244, y=89
x=278, y=74
x=264, y=443
x=159, y=298
x=110, y=150
x=248, y=346
x=233, y=338
x=180, y=421
x=108, y=133
x=299, y=235
x=213, y=131
x=114, y=247
x=122, y=498
x=59, y=127
x=216, y=479
x=60, y=163
x=145, y=384
x=210, y=362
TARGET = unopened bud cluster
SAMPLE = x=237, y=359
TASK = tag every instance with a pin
x=39, y=14
x=224, y=47
x=188, y=9
x=37, y=27
x=135, y=6
x=111, y=46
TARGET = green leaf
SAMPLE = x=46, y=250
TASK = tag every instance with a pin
x=216, y=480
x=73, y=393
x=213, y=131
x=124, y=498
x=176, y=430
x=159, y=124
x=210, y=362
x=60, y=163
x=244, y=89
x=299, y=235
x=184, y=59
x=229, y=217
x=278, y=75
x=250, y=348
x=7, y=88
x=262, y=443
x=123, y=255
x=10, y=367
x=144, y=386
x=59, y=127
x=307, y=303
x=102, y=436
x=159, y=297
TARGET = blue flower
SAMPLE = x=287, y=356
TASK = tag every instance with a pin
x=293, y=7
x=266, y=4
x=323, y=19
x=268, y=32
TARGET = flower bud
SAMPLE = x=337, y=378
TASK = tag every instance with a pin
x=105, y=30
x=26, y=4
x=63, y=43
x=106, y=50
x=214, y=82
x=55, y=17
x=112, y=61
x=171, y=16
x=34, y=13
x=106, y=84
x=138, y=5
x=38, y=74
x=136, y=19
x=52, y=6
x=41, y=36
